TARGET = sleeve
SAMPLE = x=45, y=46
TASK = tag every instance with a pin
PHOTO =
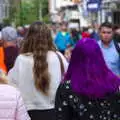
x=56, y=41
x=13, y=74
x=61, y=105
x=21, y=112
x=70, y=41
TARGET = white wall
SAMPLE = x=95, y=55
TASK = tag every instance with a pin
x=52, y=6
x=4, y=9
x=60, y=3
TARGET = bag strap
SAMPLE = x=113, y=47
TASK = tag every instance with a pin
x=117, y=46
x=61, y=64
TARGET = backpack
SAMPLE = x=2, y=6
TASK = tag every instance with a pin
x=2, y=64
x=117, y=46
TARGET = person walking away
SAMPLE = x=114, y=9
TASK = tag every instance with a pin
x=108, y=47
x=85, y=33
x=90, y=90
x=38, y=71
x=75, y=36
x=11, y=103
x=11, y=51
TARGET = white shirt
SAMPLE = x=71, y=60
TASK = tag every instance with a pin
x=22, y=75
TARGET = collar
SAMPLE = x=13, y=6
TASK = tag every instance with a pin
x=109, y=46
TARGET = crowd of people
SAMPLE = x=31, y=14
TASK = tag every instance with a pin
x=60, y=75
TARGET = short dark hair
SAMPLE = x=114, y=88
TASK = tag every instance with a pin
x=106, y=24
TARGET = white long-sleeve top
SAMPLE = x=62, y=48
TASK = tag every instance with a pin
x=22, y=76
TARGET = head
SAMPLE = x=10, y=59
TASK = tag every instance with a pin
x=88, y=72
x=20, y=31
x=74, y=32
x=85, y=29
x=64, y=26
x=26, y=27
x=9, y=35
x=117, y=29
x=106, y=32
x=38, y=41
x=53, y=27
x=117, y=33
x=95, y=25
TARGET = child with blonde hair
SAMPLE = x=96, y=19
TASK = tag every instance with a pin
x=11, y=103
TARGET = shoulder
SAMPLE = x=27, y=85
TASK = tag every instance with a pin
x=24, y=57
x=59, y=33
x=64, y=87
x=53, y=54
x=99, y=42
x=52, y=58
x=9, y=91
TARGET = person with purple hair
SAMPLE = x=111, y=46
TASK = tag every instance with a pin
x=90, y=90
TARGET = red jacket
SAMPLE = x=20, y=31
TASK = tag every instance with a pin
x=85, y=35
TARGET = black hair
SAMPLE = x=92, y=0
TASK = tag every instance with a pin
x=106, y=24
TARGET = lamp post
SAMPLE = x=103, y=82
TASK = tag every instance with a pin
x=21, y=13
x=40, y=11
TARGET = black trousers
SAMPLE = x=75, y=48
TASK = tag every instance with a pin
x=42, y=114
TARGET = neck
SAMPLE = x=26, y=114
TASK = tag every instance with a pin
x=9, y=44
x=106, y=44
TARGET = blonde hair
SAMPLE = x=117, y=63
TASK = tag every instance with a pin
x=3, y=78
x=38, y=41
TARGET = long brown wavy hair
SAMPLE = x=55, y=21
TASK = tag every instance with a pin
x=38, y=41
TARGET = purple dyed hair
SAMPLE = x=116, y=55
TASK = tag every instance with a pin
x=88, y=72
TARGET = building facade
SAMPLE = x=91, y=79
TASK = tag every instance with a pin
x=5, y=6
x=71, y=11
x=4, y=9
x=106, y=10
x=111, y=11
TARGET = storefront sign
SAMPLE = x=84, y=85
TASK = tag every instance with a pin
x=93, y=5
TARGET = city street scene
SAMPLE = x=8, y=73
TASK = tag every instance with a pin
x=59, y=59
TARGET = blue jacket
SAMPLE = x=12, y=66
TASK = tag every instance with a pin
x=62, y=42
x=95, y=36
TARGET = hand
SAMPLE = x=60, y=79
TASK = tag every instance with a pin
x=67, y=54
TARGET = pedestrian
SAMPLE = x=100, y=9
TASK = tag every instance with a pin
x=38, y=72
x=63, y=39
x=85, y=33
x=90, y=90
x=116, y=35
x=2, y=56
x=11, y=102
x=95, y=31
x=108, y=47
x=11, y=51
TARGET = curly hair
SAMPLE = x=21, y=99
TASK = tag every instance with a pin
x=38, y=41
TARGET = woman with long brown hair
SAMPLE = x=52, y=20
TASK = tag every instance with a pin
x=38, y=71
